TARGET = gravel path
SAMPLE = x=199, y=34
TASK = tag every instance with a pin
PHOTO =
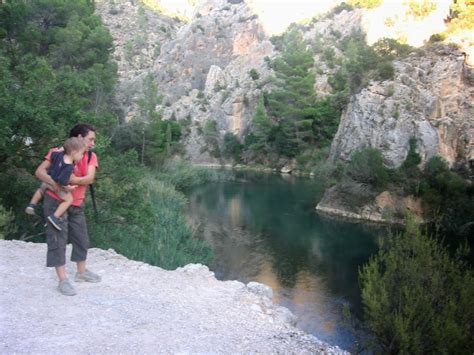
x=138, y=308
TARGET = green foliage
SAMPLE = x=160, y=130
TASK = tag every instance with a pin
x=413, y=159
x=362, y=63
x=153, y=141
x=408, y=175
x=150, y=136
x=418, y=300
x=367, y=167
x=386, y=71
x=259, y=143
x=211, y=137
x=142, y=217
x=448, y=199
x=423, y=8
x=254, y=74
x=6, y=222
x=232, y=147
x=291, y=106
x=390, y=48
x=328, y=173
x=437, y=37
x=55, y=72
x=368, y=4
x=460, y=18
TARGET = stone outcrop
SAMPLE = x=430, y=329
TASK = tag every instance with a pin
x=201, y=68
x=139, y=308
x=385, y=208
x=204, y=73
x=138, y=33
x=428, y=99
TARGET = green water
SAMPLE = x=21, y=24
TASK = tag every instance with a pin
x=264, y=228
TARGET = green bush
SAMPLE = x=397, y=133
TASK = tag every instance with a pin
x=367, y=167
x=254, y=74
x=408, y=175
x=418, y=300
x=6, y=222
x=390, y=48
x=386, y=71
x=141, y=215
x=418, y=8
x=447, y=198
x=232, y=146
x=369, y=4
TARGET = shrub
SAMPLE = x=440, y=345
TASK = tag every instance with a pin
x=447, y=198
x=144, y=218
x=369, y=4
x=418, y=8
x=367, y=167
x=254, y=74
x=232, y=146
x=385, y=70
x=437, y=37
x=418, y=300
x=6, y=222
x=390, y=48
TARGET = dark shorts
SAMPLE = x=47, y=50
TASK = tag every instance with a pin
x=74, y=228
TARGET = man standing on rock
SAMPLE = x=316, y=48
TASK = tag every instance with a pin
x=73, y=223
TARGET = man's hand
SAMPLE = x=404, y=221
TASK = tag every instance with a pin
x=68, y=188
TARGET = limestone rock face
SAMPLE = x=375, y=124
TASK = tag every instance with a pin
x=429, y=99
x=137, y=32
x=201, y=68
x=204, y=72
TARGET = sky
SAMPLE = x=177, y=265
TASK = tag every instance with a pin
x=276, y=15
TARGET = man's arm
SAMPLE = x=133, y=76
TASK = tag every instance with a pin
x=42, y=173
x=84, y=180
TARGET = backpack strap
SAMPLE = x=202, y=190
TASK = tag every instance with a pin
x=92, y=190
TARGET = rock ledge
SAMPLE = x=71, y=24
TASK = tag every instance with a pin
x=138, y=308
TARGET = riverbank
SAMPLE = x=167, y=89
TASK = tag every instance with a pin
x=138, y=308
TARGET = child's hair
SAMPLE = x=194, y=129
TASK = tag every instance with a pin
x=73, y=144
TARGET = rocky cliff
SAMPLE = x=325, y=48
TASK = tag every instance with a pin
x=202, y=69
x=429, y=98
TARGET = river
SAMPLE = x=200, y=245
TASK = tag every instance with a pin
x=264, y=228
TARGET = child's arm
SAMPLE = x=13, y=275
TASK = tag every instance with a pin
x=84, y=180
x=42, y=174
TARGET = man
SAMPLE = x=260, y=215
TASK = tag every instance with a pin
x=73, y=223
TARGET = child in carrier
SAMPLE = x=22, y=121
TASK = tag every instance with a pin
x=60, y=170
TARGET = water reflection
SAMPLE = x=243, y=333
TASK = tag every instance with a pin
x=265, y=230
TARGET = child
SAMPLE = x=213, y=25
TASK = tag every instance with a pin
x=62, y=166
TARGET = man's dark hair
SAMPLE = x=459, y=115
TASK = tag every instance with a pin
x=82, y=129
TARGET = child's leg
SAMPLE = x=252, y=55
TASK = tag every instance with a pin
x=36, y=197
x=63, y=206
x=30, y=209
x=38, y=194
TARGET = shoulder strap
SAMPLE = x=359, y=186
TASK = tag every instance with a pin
x=92, y=190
